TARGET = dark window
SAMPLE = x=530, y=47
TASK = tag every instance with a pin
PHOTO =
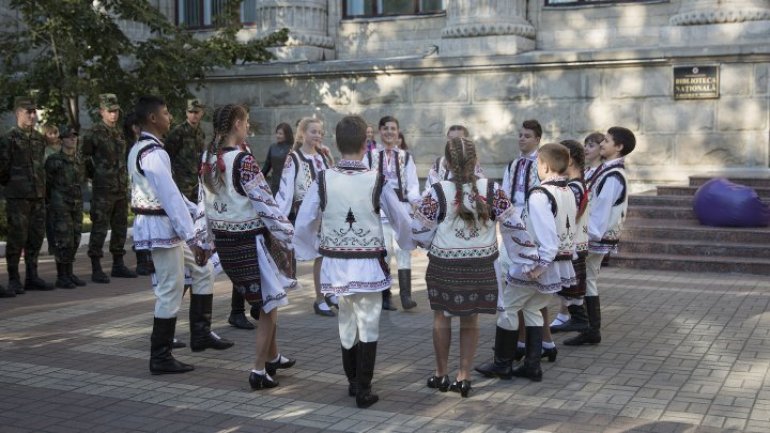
x=379, y=8
x=590, y=2
x=195, y=14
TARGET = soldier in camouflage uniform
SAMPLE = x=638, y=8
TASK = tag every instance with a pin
x=22, y=151
x=184, y=145
x=104, y=155
x=64, y=177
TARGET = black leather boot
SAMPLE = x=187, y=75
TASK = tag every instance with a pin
x=6, y=293
x=120, y=270
x=592, y=334
x=238, y=312
x=386, y=303
x=578, y=320
x=505, y=346
x=366, y=356
x=14, y=282
x=161, y=359
x=78, y=282
x=530, y=368
x=62, y=278
x=349, y=358
x=97, y=274
x=405, y=288
x=201, y=337
x=32, y=281
x=143, y=262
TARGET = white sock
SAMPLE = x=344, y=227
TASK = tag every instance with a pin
x=563, y=317
x=521, y=344
x=259, y=372
x=323, y=306
x=279, y=358
x=548, y=344
x=333, y=299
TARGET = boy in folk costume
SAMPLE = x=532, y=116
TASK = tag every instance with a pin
x=572, y=296
x=164, y=225
x=608, y=195
x=300, y=169
x=343, y=206
x=549, y=215
x=397, y=166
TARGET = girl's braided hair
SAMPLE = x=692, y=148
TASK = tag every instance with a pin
x=462, y=158
x=213, y=169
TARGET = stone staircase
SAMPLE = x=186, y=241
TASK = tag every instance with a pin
x=662, y=232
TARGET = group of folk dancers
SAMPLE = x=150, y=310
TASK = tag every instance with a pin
x=554, y=226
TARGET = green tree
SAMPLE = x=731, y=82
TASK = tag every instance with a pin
x=70, y=51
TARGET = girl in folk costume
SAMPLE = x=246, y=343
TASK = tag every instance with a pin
x=248, y=230
x=549, y=215
x=608, y=193
x=397, y=165
x=573, y=315
x=343, y=206
x=456, y=222
x=300, y=169
x=440, y=169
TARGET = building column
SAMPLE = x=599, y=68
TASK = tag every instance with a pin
x=486, y=27
x=307, y=21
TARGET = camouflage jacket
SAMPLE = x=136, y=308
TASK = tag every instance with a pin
x=64, y=177
x=22, y=171
x=104, y=156
x=184, y=145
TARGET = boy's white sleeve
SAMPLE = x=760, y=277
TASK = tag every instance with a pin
x=285, y=195
x=157, y=170
x=307, y=225
x=398, y=216
x=601, y=207
x=507, y=180
x=543, y=227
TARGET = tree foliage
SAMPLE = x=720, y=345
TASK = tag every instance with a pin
x=70, y=51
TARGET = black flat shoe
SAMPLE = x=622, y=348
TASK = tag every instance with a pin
x=440, y=383
x=550, y=354
x=271, y=367
x=261, y=381
x=463, y=387
x=320, y=312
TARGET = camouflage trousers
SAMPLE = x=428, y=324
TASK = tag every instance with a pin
x=26, y=229
x=108, y=211
x=65, y=225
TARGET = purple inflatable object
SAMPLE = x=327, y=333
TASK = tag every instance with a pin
x=722, y=203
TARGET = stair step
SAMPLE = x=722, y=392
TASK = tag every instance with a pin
x=661, y=212
x=670, y=262
x=759, y=178
x=763, y=192
x=660, y=200
x=695, y=248
x=671, y=229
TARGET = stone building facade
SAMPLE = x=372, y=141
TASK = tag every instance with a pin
x=575, y=65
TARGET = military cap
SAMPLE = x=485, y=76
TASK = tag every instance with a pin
x=108, y=101
x=195, y=105
x=67, y=131
x=24, y=102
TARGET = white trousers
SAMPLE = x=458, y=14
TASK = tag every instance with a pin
x=525, y=299
x=403, y=257
x=359, y=318
x=593, y=264
x=169, y=277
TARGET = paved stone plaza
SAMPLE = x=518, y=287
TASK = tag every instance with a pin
x=681, y=353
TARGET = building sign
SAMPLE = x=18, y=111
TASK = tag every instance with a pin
x=696, y=82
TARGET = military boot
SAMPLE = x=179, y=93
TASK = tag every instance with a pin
x=62, y=278
x=33, y=282
x=97, y=274
x=14, y=280
x=78, y=282
x=120, y=270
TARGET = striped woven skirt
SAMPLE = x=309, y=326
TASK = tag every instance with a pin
x=238, y=255
x=462, y=287
x=578, y=290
